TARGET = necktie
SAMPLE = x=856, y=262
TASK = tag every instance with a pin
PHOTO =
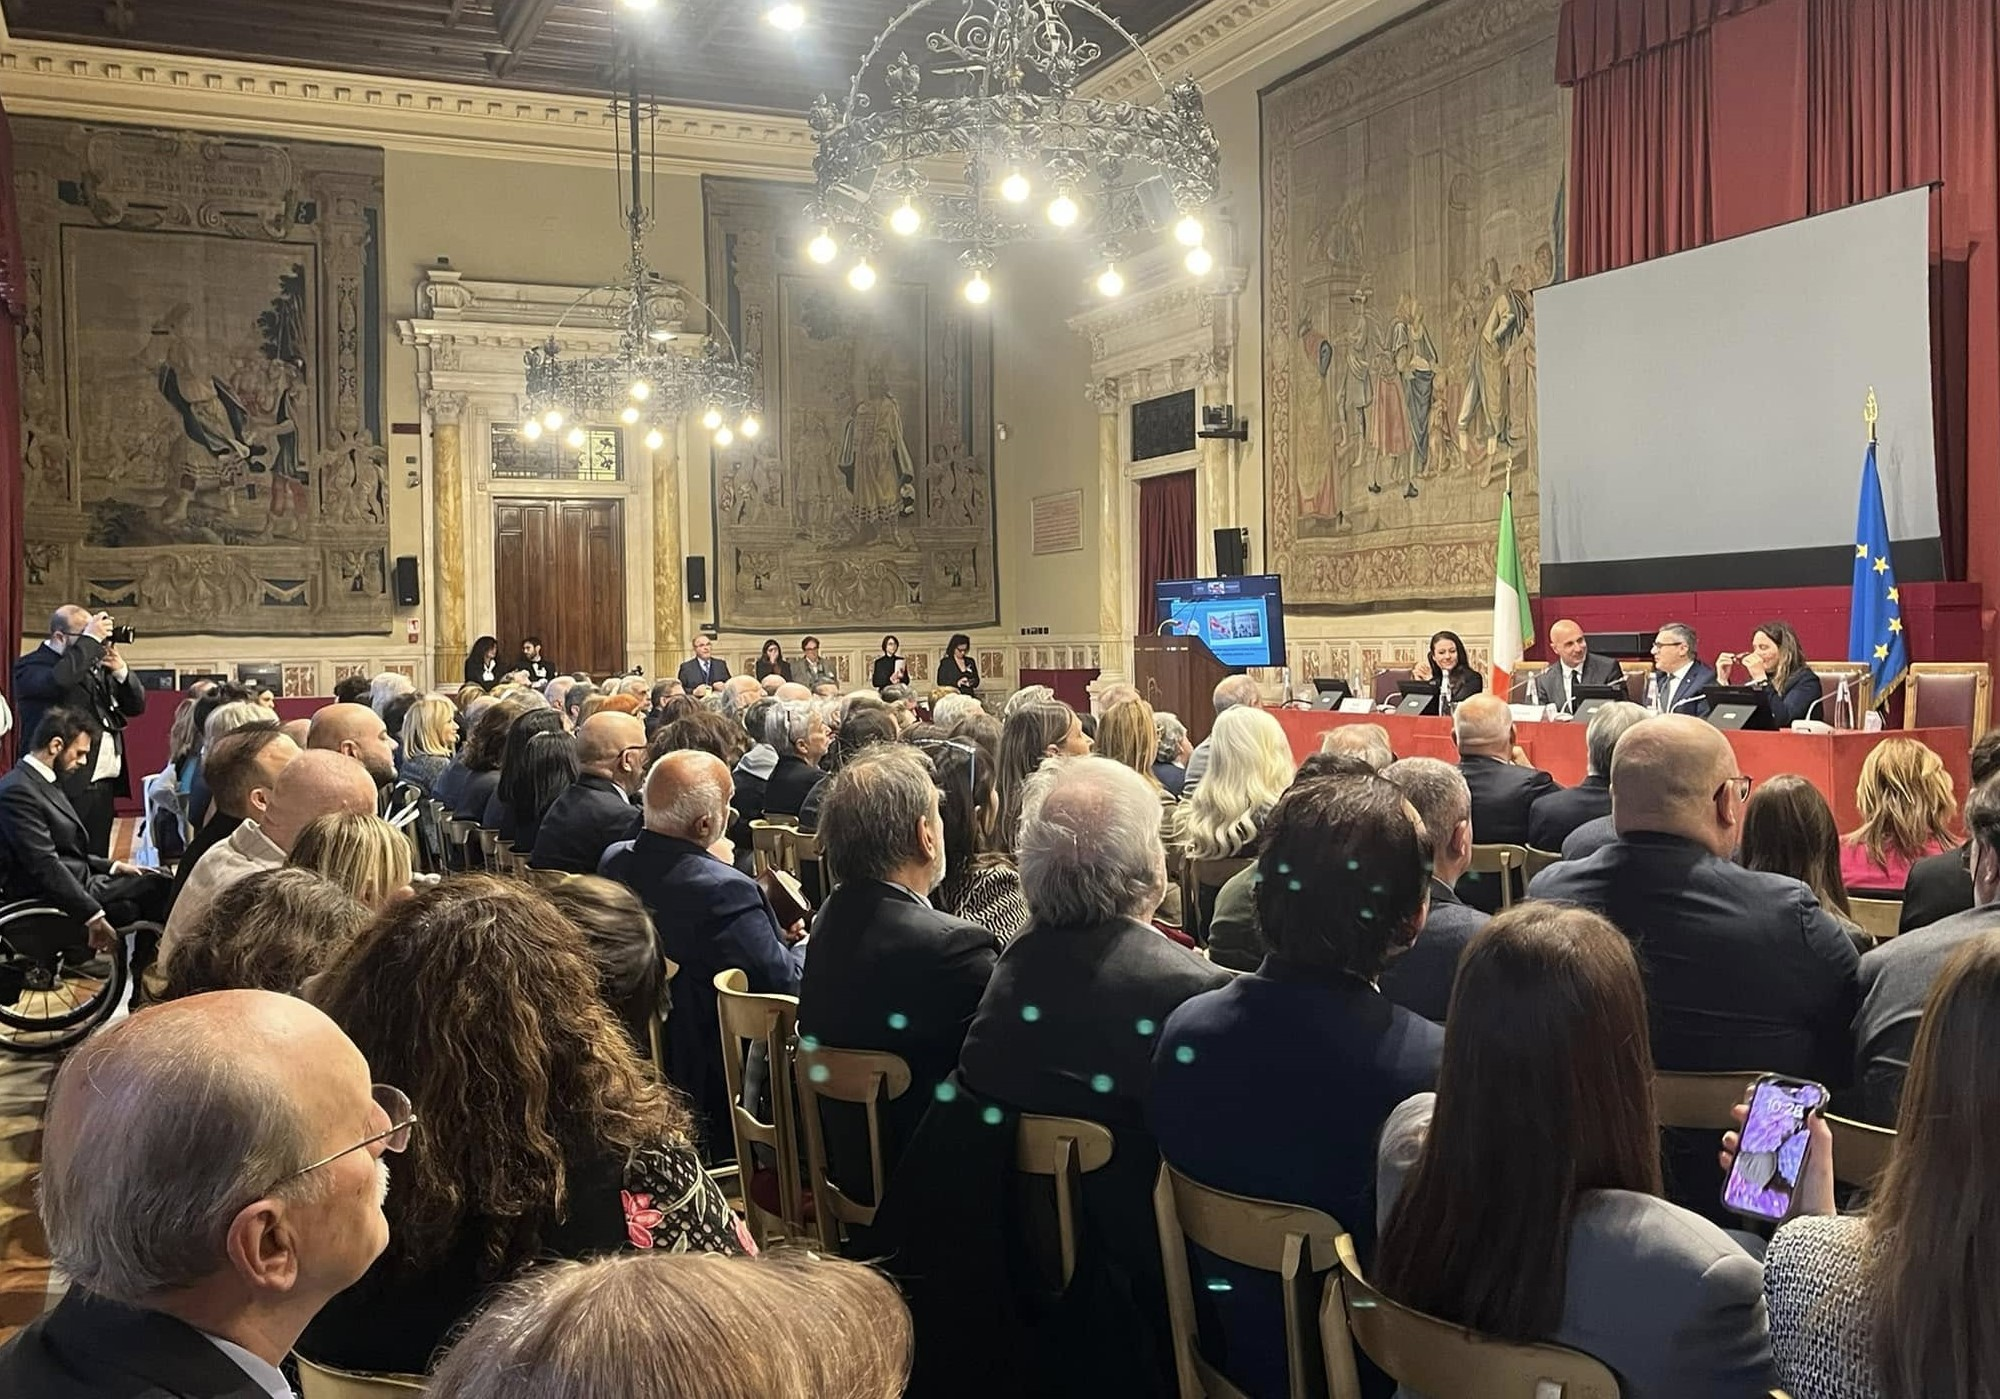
x=1574, y=680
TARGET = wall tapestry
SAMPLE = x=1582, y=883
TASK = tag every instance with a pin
x=1413, y=189
x=201, y=381
x=868, y=504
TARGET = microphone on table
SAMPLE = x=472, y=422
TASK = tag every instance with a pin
x=1842, y=699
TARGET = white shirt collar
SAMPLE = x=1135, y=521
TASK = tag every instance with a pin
x=48, y=773
x=911, y=892
x=269, y=1377
x=1677, y=675
x=760, y=761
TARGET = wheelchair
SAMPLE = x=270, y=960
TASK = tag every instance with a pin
x=54, y=987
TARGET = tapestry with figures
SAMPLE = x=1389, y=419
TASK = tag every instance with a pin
x=868, y=505
x=1413, y=202
x=201, y=381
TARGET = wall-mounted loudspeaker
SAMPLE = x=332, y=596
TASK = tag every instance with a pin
x=1232, y=552
x=697, y=579
x=406, y=581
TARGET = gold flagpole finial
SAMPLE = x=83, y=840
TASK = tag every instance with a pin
x=1870, y=412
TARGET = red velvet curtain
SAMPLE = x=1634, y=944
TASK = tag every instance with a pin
x=1639, y=158
x=13, y=304
x=1166, y=536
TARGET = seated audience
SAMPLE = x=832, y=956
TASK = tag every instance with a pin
x=948, y=709
x=1126, y=734
x=981, y=882
x=1504, y=791
x=1776, y=664
x=1421, y=978
x=1250, y=766
x=358, y=732
x=1896, y=977
x=1788, y=829
x=1522, y=1199
x=797, y=731
x=1898, y=1302
x=393, y=714
x=1231, y=692
x=481, y=758
x=542, y=1130
x=752, y=772
x=788, y=1326
x=510, y=796
x=623, y=944
x=1029, y=736
x=1368, y=742
x=210, y=1177
x=1941, y=885
x=243, y=768
x=711, y=918
x=863, y=729
x=1556, y=815
x=482, y=663
x=387, y=687
x=352, y=689
x=222, y=716
x=888, y=971
x=1906, y=803
x=813, y=672
x=1448, y=663
x=771, y=661
x=429, y=737
x=1023, y=697
x=1277, y=1084
x=548, y=769
x=1680, y=677
x=363, y=856
x=271, y=931
x=595, y=811
x=1171, y=751
x=1589, y=838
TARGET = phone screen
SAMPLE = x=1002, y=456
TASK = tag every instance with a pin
x=1773, y=1147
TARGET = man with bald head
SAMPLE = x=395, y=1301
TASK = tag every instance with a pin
x=596, y=811
x=1231, y=692
x=1573, y=664
x=212, y=1173
x=711, y=917
x=357, y=731
x=1503, y=791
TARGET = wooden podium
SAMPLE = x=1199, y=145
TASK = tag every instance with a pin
x=1179, y=674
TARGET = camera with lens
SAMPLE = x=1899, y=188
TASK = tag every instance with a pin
x=123, y=636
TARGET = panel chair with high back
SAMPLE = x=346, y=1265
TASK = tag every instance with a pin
x=1441, y=1359
x=1860, y=689
x=1292, y=1242
x=1950, y=695
x=1638, y=675
x=320, y=1382
x=1389, y=681
x=1700, y=1102
x=861, y=1079
x=1503, y=860
x=1065, y=1149
x=1200, y=879
x=748, y=1018
x=1861, y=1151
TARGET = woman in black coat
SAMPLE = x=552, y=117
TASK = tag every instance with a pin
x=890, y=668
x=958, y=671
x=482, y=663
x=772, y=662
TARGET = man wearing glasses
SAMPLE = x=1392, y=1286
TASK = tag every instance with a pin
x=596, y=812
x=212, y=1173
x=1679, y=676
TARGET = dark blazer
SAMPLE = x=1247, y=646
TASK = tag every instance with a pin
x=1896, y=980
x=1699, y=677
x=1556, y=816
x=1802, y=691
x=76, y=680
x=540, y=670
x=580, y=824
x=478, y=673
x=885, y=667
x=952, y=676
x=1420, y=980
x=1465, y=683
x=1502, y=795
x=1938, y=886
x=1171, y=776
x=44, y=850
x=711, y=917
x=1547, y=688
x=91, y=1348
x=475, y=794
x=783, y=669
x=692, y=679
x=788, y=786
x=1589, y=838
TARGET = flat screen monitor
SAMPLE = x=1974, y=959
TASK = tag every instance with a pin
x=1241, y=619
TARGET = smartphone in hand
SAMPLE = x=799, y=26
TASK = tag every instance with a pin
x=1772, y=1151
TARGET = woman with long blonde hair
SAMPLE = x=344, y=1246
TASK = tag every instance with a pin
x=1249, y=767
x=1907, y=807
x=357, y=851
x=428, y=739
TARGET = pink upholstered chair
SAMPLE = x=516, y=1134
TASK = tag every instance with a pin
x=1860, y=687
x=1388, y=679
x=1949, y=695
x=1637, y=673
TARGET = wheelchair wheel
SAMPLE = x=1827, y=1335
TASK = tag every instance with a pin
x=54, y=990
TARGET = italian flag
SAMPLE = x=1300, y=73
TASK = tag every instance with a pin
x=1512, y=622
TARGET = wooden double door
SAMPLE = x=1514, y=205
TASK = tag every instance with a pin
x=559, y=573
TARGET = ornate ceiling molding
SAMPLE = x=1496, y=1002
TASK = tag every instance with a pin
x=88, y=83
x=1226, y=39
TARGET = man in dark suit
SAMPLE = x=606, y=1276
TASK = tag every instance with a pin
x=1503, y=791
x=1679, y=674
x=1940, y=885
x=44, y=850
x=596, y=812
x=1743, y=970
x=1574, y=665
x=888, y=971
x=1420, y=979
x=201, y=1103
x=705, y=668
x=711, y=918
x=1557, y=816
x=77, y=668
x=795, y=729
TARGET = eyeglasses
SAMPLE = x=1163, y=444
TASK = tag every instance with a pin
x=1669, y=645
x=395, y=1105
x=1739, y=785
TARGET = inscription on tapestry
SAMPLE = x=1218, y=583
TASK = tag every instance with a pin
x=201, y=381
x=868, y=504
x=1413, y=201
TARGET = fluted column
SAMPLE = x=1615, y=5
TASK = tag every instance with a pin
x=448, y=469
x=1111, y=568
x=669, y=646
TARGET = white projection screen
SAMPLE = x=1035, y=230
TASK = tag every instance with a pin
x=1701, y=414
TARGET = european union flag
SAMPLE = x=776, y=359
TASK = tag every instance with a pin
x=1875, y=624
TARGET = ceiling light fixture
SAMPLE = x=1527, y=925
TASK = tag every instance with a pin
x=1200, y=262
x=906, y=221
x=789, y=18
x=861, y=276
x=823, y=249
x=1111, y=282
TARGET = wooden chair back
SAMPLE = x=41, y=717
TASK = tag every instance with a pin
x=1861, y=1151
x=1199, y=877
x=323, y=1382
x=770, y=846
x=772, y=1021
x=1292, y=1242
x=1701, y=1102
x=1501, y=860
x=1539, y=860
x=1860, y=690
x=1879, y=918
x=779, y=818
x=864, y=1079
x=1440, y=1359
x=802, y=848
x=656, y=1023
x=1950, y=695
x=1065, y=1149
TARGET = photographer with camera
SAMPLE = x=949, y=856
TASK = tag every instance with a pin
x=79, y=667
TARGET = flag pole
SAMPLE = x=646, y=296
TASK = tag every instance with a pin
x=1870, y=411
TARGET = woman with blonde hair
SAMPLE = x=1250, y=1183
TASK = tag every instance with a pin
x=1249, y=767
x=357, y=851
x=429, y=738
x=1907, y=807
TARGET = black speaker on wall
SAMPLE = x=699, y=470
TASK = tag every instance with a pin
x=1232, y=551
x=697, y=579
x=406, y=581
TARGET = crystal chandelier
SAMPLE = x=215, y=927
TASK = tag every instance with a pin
x=645, y=380
x=1111, y=173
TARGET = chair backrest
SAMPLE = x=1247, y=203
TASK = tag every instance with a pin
x=1388, y=679
x=1879, y=918
x=489, y=847
x=1950, y=695
x=780, y=818
x=748, y=1018
x=1440, y=1359
x=1701, y=1102
x=769, y=843
x=1861, y=1151
x=1860, y=688
x=1502, y=860
x=861, y=1078
x=1065, y=1149
x=803, y=849
x=1292, y=1242
x=1205, y=876
x=459, y=843
x=1539, y=860
x=1638, y=674
x=320, y=1382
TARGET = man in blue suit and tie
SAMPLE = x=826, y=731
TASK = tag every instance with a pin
x=704, y=669
x=1679, y=674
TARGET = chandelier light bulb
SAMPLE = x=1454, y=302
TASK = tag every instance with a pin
x=1015, y=189
x=823, y=249
x=655, y=440
x=906, y=220
x=1063, y=211
x=630, y=416
x=1111, y=282
x=641, y=4
x=723, y=437
x=532, y=430
x=861, y=276
x=750, y=427
x=979, y=291
x=641, y=390
x=575, y=438
x=1189, y=232
x=553, y=420
x=712, y=419
x=1200, y=261
x=787, y=17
